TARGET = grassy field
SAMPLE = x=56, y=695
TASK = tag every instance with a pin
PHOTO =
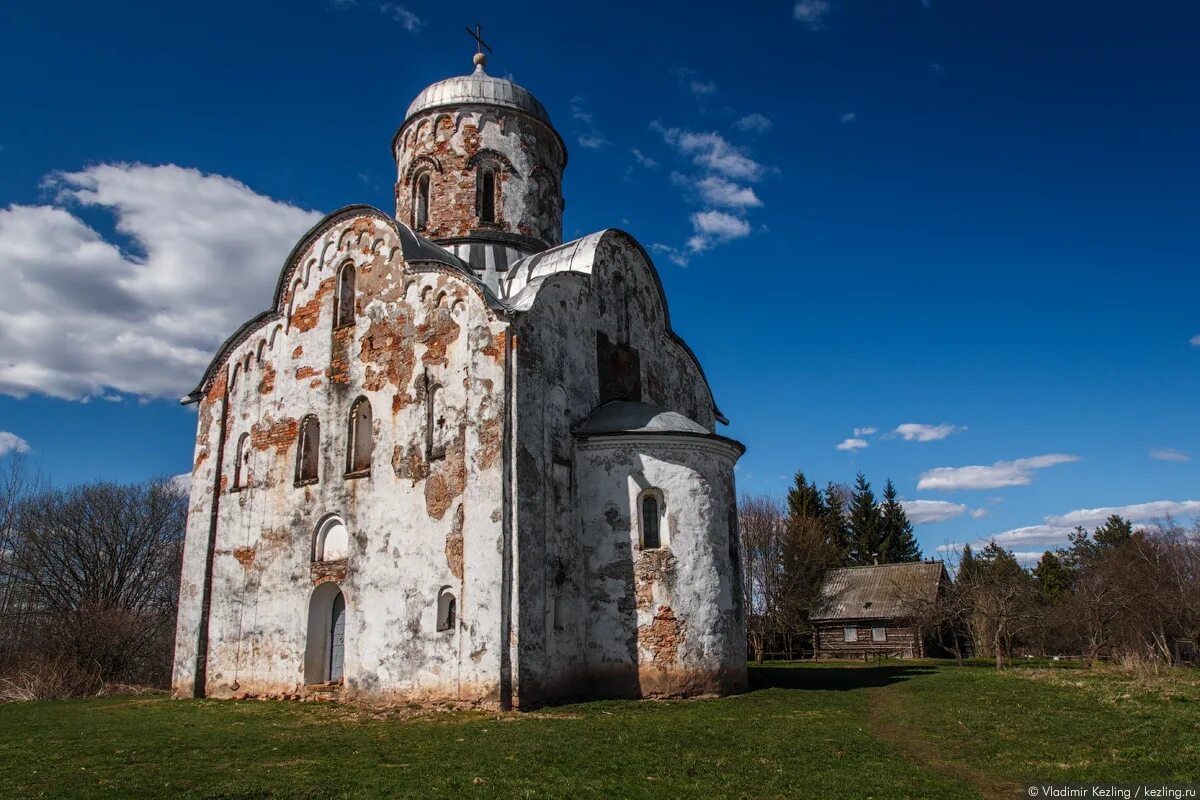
x=900, y=730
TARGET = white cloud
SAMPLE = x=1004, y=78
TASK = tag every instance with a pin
x=411, y=22
x=643, y=159
x=719, y=226
x=918, y=432
x=753, y=123
x=592, y=137
x=690, y=80
x=711, y=151
x=869, y=431
x=1000, y=474
x=979, y=513
x=592, y=141
x=1195, y=340
x=717, y=191
x=674, y=254
x=80, y=315
x=848, y=117
x=812, y=13
x=850, y=445
x=922, y=511
x=1169, y=454
x=11, y=443
x=1054, y=529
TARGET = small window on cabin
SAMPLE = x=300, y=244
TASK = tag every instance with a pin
x=421, y=203
x=651, y=518
x=344, y=314
x=487, y=195
x=308, y=450
x=359, y=439
x=878, y=634
x=850, y=634
x=447, y=610
x=241, y=463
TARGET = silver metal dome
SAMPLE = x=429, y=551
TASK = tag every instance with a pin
x=478, y=88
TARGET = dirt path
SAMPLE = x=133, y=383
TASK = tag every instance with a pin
x=890, y=724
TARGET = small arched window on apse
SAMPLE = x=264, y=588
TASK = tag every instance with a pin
x=488, y=190
x=359, y=439
x=308, y=451
x=436, y=424
x=447, y=610
x=421, y=202
x=651, y=513
x=332, y=540
x=344, y=313
x=241, y=462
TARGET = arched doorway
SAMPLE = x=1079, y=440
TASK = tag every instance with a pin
x=325, y=649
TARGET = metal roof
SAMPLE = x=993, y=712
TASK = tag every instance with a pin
x=622, y=416
x=884, y=591
x=478, y=88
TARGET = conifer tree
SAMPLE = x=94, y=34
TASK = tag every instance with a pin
x=837, y=529
x=1115, y=532
x=896, y=532
x=866, y=542
x=967, y=566
x=804, y=499
x=1054, y=577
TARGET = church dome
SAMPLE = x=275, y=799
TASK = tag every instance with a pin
x=478, y=88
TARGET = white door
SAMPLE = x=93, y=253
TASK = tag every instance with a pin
x=337, y=638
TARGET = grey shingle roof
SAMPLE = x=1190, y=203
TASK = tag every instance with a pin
x=884, y=591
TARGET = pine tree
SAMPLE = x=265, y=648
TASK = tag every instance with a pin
x=837, y=530
x=804, y=499
x=1054, y=577
x=865, y=524
x=1115, y=532
x=968, y=567
x=896, y=532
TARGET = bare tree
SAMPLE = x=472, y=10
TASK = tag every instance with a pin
x=92, y=577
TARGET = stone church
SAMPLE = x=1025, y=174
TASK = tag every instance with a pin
x=457, y=459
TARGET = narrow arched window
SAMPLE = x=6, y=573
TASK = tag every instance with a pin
x=308, y=450
x=651, y=520
x=435, y=424
x=487, y=194
x=344, y=313
x=447, y=610
x=358, y=461
x=241, y=463
x=421, y=202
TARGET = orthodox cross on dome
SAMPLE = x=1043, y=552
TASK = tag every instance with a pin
x=480, y=44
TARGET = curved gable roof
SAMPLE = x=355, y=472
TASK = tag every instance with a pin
x=413, y=248
x=524, y=280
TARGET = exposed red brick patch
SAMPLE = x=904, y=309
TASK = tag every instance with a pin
x=409, y=462
x=662, y=637
x=437, y=333
x=447, y=479
x=454, y=544
x=305, y=372
x=299, y=351
x=280, y=435
x=305, y=317
x=244, y=555
x=266, y=384
x=387, y=351
x=323, y=571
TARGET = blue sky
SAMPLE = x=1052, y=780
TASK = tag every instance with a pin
x=978, y=219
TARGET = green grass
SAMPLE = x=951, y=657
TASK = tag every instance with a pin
x=898, y=730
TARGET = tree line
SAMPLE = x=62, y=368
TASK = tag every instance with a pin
x=789, y=547
x=1117, y=592
x=89, y=584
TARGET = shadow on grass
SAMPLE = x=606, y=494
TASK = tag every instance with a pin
x=833, y=678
